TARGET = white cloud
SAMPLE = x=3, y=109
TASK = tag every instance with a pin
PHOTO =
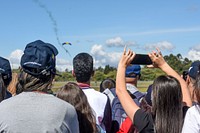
x=62, y=65
x=118, y=42
x=15, y=57
x=164, y=45
x=102, y=58
x=194, y=53
x=98, y=50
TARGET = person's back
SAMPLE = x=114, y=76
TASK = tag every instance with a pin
x=33, y=109
x=36, y=112
x=83, y=71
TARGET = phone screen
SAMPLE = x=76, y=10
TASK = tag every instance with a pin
x=141, y=59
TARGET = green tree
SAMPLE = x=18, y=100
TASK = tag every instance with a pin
x=98, y=76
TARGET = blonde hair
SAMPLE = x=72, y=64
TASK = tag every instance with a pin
x=27, y=82
x=12, y=86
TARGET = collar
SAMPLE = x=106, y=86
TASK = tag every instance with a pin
x=38, y=91
x=84, y=85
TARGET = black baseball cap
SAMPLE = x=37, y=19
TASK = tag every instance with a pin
x=39, y=58
x=5, y=70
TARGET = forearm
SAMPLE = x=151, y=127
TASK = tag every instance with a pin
x=127, y=102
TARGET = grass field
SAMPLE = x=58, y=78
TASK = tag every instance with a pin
x=142, y=85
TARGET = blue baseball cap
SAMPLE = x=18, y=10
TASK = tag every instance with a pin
x=5, y=70
x=133, y=70
x=194, y=69
x=39, y=58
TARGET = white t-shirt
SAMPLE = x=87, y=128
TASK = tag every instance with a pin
x=98, y=102
x=192, y=120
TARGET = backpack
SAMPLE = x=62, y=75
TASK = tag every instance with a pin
x=118, y=113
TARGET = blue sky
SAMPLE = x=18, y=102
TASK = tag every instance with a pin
x=100, y=27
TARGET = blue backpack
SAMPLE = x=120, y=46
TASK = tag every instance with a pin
x=118, y=113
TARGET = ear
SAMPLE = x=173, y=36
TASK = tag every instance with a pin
x=73, y=73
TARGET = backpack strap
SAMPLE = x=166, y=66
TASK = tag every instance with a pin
x=139, y=95
x=111, y=94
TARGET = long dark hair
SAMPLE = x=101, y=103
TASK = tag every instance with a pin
x=167, y=105
x=2, y=89
x=72, y=94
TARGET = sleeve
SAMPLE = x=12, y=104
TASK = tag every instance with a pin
x=191, y=122
x=71, y=121
x=107, y=119
x=125, y=126
x=143, y=122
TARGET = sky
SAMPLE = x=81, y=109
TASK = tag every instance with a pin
x=100, y=27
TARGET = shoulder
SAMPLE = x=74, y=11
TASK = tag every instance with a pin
x=143, y=121
x=94, y=93
x=59, y=103
x=192, y=120
x=193, y=111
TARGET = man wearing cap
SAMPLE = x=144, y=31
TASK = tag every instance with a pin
x=118, y=114
x=33, y=110
x=132, y=76
x=5, y=78
x=191, y=77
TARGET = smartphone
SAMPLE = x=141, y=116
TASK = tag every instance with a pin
x=141, y=59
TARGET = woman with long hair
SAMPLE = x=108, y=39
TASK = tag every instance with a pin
x=74, y=95
x=168, y=94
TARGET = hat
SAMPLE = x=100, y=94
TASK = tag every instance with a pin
x=39, y=58
x=133, y=69
x=5, y=70
x=194, y=69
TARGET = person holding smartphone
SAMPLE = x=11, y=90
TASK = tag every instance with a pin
x=169, y=93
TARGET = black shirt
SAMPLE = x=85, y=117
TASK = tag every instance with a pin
x=143, y=121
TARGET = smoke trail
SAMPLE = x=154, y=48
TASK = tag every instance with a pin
x=53, y=21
